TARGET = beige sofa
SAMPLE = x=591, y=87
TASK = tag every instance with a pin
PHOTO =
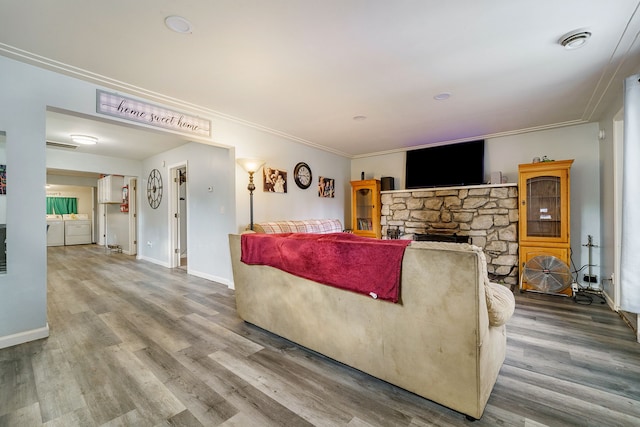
x=438, y=342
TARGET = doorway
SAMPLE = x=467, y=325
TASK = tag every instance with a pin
x=179, y=216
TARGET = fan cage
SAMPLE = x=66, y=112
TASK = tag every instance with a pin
x=547, y=273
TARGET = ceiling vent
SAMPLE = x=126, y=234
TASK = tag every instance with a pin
x=575, y=39
x=61, y=145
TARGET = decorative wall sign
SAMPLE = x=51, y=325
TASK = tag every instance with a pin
x=154, y=188
x=126, y=108
x=275, y=180
x=326, y=187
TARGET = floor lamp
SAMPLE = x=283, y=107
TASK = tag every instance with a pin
x=251, y=166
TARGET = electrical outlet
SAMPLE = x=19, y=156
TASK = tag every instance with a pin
x=590, y=279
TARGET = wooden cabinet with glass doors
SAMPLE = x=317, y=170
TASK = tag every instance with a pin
x=365, y=208
x=544, y=212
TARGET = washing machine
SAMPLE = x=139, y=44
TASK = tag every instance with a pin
x=77, y=229
x=55, y=230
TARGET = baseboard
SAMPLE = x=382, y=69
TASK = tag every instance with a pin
x=200, y=274
x=23, y=337
x=211, y=277
x=154, y=261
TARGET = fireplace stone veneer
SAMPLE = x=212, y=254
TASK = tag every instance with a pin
x=488, y=214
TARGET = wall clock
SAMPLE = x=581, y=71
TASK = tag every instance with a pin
x=154, y=188
x=302, y=175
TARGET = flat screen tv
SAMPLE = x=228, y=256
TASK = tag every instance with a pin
x=446, y=165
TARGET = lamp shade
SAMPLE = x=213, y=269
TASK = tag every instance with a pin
x=250, y=165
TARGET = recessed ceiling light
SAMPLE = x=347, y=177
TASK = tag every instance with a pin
x=442, y=96
x=178, y=24
x=84, y=139
x=574, y=39
x=359, y=118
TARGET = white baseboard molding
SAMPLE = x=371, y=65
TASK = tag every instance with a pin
x=154, y=261
x=200, y=274
x=23, y=337
x=211, y=277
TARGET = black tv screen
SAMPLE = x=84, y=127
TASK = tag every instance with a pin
x=446, y=165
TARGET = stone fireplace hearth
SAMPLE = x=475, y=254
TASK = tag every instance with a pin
x=487, y=214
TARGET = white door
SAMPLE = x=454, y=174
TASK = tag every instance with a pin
x=178, y=214
x=133, y=216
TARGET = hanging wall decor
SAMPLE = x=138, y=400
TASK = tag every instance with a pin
x=3, y=179
x=154, y=188
x=274, y=180
x=326, y=187
x=302, y=175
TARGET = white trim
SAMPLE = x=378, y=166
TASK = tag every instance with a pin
x=211, y=277
x=154, y=261
x=172, y=197
x=618, y=136
x=23, y=337
x=473, y=138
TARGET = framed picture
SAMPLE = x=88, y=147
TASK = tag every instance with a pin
x=274, y=180
x=3, y=179
x=326, y=187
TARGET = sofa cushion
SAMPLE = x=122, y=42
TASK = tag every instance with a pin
x=500, y=303
x=321, y=226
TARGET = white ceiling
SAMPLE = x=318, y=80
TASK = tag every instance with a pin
x=306, y=68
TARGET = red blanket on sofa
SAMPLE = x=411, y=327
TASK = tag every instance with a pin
x=342, y=260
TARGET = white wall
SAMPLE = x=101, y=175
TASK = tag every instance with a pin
x=68, y=160
x=610, y=166
x=375, y=167
x=210, y=214
x=25, y=92
x=504, y=154
x=282, y=153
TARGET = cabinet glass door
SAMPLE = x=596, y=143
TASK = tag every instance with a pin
x=544, y=207
x=364, y=209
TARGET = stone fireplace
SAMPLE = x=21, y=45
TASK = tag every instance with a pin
x=487, y=214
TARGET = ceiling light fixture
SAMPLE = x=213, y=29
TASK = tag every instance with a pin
x=442, y=96
x=574, y=39
x=84, y=139
x=178, y=24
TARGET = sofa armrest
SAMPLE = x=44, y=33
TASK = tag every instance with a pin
x=500, y=303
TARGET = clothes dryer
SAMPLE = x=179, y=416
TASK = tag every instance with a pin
x=77, y=229
x=55, y=230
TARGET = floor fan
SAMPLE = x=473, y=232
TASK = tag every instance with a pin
x=547, y=274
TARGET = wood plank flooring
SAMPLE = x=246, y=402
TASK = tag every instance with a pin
x=135, y=344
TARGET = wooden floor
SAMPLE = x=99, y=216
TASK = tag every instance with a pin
x=135, y=344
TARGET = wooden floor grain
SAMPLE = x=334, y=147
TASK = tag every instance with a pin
x=135, y=344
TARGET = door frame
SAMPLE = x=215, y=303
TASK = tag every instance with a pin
x=173, y=196
x=132, y=183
